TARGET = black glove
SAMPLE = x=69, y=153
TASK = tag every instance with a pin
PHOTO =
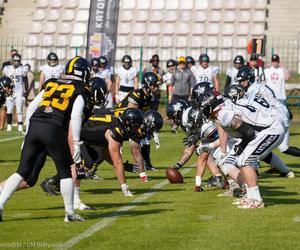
x=129, y=167
x=80, y=172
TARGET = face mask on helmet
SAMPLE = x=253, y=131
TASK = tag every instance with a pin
x=52, y=59
x=153, y=122
x=132, y=120
x=7, y=85
x=78, y=69
x=127, y=62
x=234, y=93
x=150, y=81
x=99, y=92
x=102, y=62
x=16, y=60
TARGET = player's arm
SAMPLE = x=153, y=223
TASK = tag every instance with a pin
x=32, y=107
x=109, y=84
x=115, y=154
x=216, y=82
x=186, y=155
x=170, y=87
x=135, y=82
x=117, y=86
x=41, y=81
x=25, y=81
x=135, y=149
x=76, y=123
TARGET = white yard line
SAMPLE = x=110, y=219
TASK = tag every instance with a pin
x=115, y=215
x=12, y=138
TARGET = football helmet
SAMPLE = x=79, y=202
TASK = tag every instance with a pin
x=52, y=59
x=175, y=111
x=239, y=60
x=16, y=60
x=103, y=61
x=131, y=120
x=203, y=58
x=209, y=105
x=153, y=122
x=193, y=120
x=7, y=85
x=127, y=61
x=171, y=63
x=78, y=69
x=200, y=92
x=190, y=59
x=245, y=77
x=95, y=64
x=150, y=79
x=99, y=91
x=233, y=92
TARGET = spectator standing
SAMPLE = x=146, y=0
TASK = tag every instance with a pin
x=182, y=81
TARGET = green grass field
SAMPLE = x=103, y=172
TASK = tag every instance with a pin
x=159, y=216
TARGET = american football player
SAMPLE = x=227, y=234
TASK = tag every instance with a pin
x=51, y=70
x=58, y=107
x=231, y=73
x=6, y=89
x=18, y=74
x=174, y=113
x=126, y=79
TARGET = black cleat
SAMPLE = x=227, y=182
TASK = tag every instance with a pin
x=48, y=187
x=73, y=217
x=216, y=181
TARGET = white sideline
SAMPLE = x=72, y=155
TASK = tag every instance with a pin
x=115, y=215
x=11, y=138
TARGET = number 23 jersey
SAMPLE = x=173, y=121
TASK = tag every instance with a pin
x=58, y=99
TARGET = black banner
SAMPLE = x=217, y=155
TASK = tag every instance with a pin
x=102, y=30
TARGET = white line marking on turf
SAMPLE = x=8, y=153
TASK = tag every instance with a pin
x=296, y=219
x=205, y=217
x=115, y=215
x=11, y=138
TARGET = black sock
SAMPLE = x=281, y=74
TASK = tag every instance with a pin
x=292, y=151
x=9, y=119
x=145, y=150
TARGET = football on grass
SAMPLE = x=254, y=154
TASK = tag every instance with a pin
x=174, y=176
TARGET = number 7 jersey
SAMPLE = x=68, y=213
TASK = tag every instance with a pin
x=58, y=99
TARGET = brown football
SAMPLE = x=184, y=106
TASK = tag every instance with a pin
x=174, y=176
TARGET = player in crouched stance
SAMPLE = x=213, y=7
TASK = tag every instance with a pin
x=59, y=103
x=260, y=132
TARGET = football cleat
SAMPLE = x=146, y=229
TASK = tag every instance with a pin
x=73, y=217
x=20, y=128
x=148, y=166
x=289, y=174
x=9, y=127
x=198, y=189
x=252, y=204
x=81, y=206
x=216, y=181
x=127, y=192
x=48, y=187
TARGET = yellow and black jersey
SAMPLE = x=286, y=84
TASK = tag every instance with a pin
x=93, y=131
x=137, y=97
x=58, y=99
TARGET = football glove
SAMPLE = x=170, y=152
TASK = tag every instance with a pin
x=204, y=147
x=156, y=140
x=190, y=140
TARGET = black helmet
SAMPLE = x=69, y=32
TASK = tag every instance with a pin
x=170, y=63
x=103, y=61
x=239, y=60
x=201, y=92
x=131, y=120
x=150, y=79
x=16, y=60
x=233, y=92
x=211, y=103
x=98, y=91
x=175, y=111
x=127, y=61
x=52, y=59
x=5, y=82
x=245, y=73
x=203, y=58
x=194, y=121
x=78, y=69
x=95, y=62
x=189, y=59
x=153, y=122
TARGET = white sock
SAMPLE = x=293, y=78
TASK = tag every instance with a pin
x=9, y=188
x=255, y=194
x=77, y=195
x=142, y=174
x=278, y=164
x=248, y=191
x=198, y=180
x=20, y=117
x=67, y=192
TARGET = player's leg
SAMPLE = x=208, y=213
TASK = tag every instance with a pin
x=145, y=150
x=19, y=109
x=3, y=117
x=201, y=164
x=9, y=112
x=216, y=179
x=58, y=148
x=186, y=155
